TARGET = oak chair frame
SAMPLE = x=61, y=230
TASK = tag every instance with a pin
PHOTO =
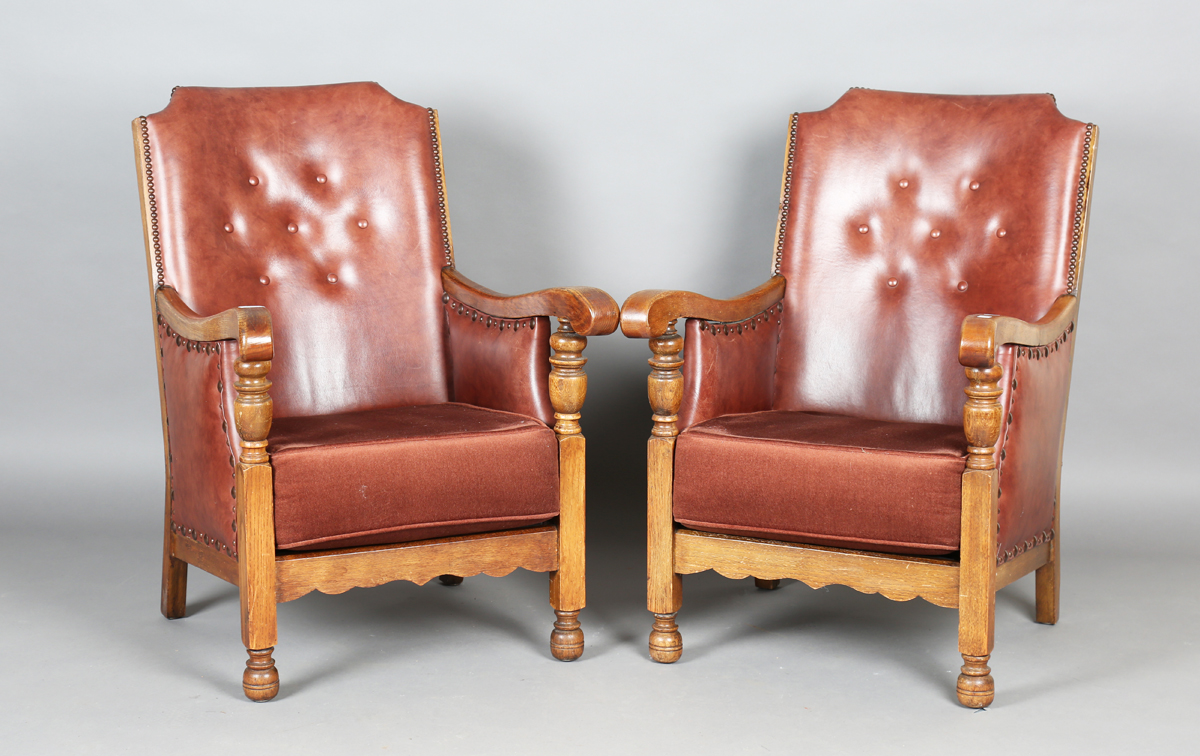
x=266, y=576
x=968, y=582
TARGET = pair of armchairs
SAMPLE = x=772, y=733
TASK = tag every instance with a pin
x=342, y=408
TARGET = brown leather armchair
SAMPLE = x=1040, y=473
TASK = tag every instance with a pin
x=414, y=424
x=817, y=429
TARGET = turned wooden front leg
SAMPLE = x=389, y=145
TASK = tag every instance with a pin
x=568, y=387
x=664, y=589
x=256, y=530
x=977, y=560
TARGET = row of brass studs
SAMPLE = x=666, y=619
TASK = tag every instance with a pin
x=441, y=190
x=225, y=435
x=1043, y=537
x=196, y=536
x=154, y=236
x=1080, y=197
x=751, y=324
x=485, y=320
x=785, y=202
x=209, y=348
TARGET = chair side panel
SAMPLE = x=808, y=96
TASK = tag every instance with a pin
x=201, y=437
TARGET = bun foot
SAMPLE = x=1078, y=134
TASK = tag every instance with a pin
x=666, y=644
x=976, y=688
x=260, y=681
x=566, y=641
x=767, y=585
x=450, y=579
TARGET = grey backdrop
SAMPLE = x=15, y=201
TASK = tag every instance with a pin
x=623, y=145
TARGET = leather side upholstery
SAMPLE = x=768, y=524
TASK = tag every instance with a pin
x=728, y=367
x=904, y=214
x=500, y=363
x=323, y=205
x=1037, y=379
x=203, y=451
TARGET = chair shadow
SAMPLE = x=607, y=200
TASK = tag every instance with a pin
x=225, y=594
x=411, y=621
x=882, y=628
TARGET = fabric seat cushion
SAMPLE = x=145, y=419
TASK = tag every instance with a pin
x=824, y=479
x=409, y=473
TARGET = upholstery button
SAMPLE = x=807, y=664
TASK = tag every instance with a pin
x=864, y=228
x=903, y=183
x=331, y=278
x=1001, y=233
x=893, y=283
x=935, y=233
x=362, y=224
x=321, y=178
x=229, y=228
x=962, y=285
x=264, y=280
x=293, y=228
x=974, y=186
x=253, y=180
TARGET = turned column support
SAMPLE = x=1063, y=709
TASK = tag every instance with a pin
x=252, y=409
x=568, y=388
x=982, y=417
x=255, y=536
x=665, y=384
x=664, y=594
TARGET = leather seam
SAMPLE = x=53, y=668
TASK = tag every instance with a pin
x=698, y=525
x=538, y=428
x=785, y=201
x=866, y=450
x=440, y=178
x=719, y=328
x=400, y=528
x=1080, y=207
x=225, y=435
x=151, y=201
x=483, y=318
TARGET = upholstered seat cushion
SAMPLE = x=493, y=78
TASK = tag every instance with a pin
x=830, y=480
x=409, y=473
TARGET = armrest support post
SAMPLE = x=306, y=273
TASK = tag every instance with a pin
x=568, y=388
x=664, y=586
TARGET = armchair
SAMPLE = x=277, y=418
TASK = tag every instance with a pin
x=814, y=428
x=341, y=407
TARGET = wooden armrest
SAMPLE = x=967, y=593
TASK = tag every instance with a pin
x=591, y=312
x=251, y=326
x=648, y=313
x=983, y=334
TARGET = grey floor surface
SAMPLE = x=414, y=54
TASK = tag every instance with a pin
x=90, y=666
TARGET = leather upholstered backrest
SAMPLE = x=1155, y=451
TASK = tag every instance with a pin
x=324, y=204
x=904, y=213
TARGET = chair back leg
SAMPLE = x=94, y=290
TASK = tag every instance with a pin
x=174, y=573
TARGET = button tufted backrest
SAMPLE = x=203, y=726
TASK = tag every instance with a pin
x=902, y=214
x=324, y=205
